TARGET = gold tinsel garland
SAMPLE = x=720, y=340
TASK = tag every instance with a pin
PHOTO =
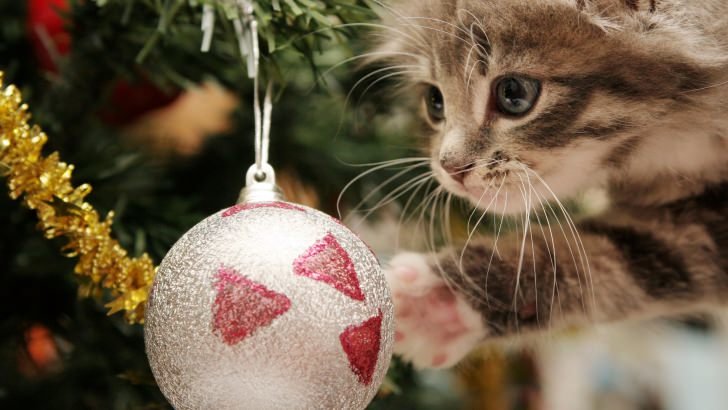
x=44, y=183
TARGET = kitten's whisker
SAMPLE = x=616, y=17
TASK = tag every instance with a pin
x=568, y=246
x=472, y=166
x=423, y=207
x=446, y=225
x=709, y=87
x=364, y=56
x=472, y=70
x=554, y=266
x=362, y=24
x=467, y=63
x=474, y=288
x=526, y=185
x=481, y=50
x=432, y=247
x=397, y=161
x=383, y=184
x=448, y=280
x=401, y=20
x=430, y=235
x=377, y=71
x=384, y=77
x=388, y=8
x=402, y=71
x=401, y=17
x=446, y=23
x=380, y=166
x=484, y=213
x=487, y=161
x=397, y=193
x=526, y=227
x=552, y=255
x=476, y=208
x=581, y=250
x=465, y=246
x=407, y=204
x=494, y=251
x=465, y=41
x=479, y=22
x=550, y=249
x=472, y=232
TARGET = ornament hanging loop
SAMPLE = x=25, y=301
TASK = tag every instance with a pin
x=260, y=186
x=266, y=175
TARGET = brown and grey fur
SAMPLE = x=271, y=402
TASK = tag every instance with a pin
x=634, y=100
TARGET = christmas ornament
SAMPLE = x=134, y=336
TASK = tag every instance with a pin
x=44, y=183
x=269, y=304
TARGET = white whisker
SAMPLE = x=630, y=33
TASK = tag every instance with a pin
x=379, y=166
x=581, y=250
x=397, y=193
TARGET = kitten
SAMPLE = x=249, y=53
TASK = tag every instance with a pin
x=525, y=101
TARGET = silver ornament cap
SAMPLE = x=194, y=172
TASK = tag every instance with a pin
x=269, y=305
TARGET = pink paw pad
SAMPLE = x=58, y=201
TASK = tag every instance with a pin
x=406, y=274
x=435, y=325
x=439, y=360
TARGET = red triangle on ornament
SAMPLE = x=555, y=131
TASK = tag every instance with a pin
x=326, y=261
x=242, y=306
x=361, y=345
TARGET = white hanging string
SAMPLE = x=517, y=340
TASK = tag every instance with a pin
x=246, y=31
x=208, y=27
x=267, y=111
x=251, y=49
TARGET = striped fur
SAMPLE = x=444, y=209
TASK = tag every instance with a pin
x=634, y=101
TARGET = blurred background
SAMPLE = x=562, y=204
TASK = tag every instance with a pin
x=163, y=133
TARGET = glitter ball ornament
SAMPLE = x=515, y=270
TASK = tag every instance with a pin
x=269, y=305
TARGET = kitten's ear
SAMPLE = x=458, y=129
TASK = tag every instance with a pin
x=620, y=6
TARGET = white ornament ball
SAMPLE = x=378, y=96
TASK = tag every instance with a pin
x=269, y=305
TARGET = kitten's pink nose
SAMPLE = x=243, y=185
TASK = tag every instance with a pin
x=458, y=172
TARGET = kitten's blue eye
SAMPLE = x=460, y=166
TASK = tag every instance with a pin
x=435, y=104
x=515, y=96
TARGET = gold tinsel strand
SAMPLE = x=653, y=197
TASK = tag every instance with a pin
x=44, y=183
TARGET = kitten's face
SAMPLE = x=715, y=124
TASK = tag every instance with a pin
x=527, y=99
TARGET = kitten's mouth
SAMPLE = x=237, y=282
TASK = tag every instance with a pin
x=502, y=192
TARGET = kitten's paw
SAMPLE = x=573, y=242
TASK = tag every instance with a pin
x=435, y=326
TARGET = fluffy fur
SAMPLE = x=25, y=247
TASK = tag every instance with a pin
x=634, y=100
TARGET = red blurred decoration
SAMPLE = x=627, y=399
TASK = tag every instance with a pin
x=243, y=306
x=47, y=31
x=130, y=101
x=39, y=355
x=328, y=262
x=361, y=345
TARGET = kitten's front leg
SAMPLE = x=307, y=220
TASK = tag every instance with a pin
x=446, y=303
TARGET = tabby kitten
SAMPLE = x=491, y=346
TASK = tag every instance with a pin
x=528, y=101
